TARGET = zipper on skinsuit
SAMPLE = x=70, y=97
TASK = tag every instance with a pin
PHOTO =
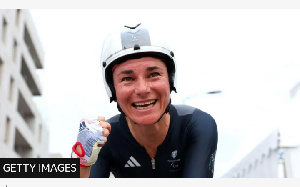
x=153, y=166
x=153, y=163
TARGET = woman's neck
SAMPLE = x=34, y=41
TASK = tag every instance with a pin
x=150, y=136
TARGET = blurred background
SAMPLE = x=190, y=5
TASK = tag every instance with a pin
x=241, y=66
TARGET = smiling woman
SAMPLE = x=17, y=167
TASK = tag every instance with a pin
x=142, y=89
x=151, y=137
x=245, y=53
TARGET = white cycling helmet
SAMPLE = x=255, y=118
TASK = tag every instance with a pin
x=132, y=43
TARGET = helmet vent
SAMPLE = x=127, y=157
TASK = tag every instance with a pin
x=132, y=27
x=172, y=54
x=104, y=64
x=136, y=47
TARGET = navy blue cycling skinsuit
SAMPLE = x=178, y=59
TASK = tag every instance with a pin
x=188, y=150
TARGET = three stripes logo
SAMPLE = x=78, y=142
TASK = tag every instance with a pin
x=132, y=163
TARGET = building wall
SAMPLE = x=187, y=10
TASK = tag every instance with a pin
x=269, y=160
x=262, y=162
x=292, y=145
x=23, y=133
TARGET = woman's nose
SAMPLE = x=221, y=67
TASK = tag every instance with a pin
x=142, y=87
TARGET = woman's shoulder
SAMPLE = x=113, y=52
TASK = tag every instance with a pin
x=114, y=119
x=194, y=115
x=183, y=110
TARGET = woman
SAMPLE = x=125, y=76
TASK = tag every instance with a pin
x=151, y=137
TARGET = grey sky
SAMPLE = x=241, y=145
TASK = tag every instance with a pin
x=251, y=55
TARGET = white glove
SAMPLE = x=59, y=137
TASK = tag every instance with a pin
x=89, y=136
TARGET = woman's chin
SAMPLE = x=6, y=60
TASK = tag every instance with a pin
x=145, y=122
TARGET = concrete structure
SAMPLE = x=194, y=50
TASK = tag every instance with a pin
x=261, y=162
x=278, y=155
x=270, y=159
x=23, y=133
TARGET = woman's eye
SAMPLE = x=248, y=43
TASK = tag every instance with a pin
x=155, y=74
x=127, y=79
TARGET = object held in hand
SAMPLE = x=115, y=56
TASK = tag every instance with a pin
x=89, y=137
x=90, y=124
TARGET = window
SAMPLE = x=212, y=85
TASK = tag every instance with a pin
x=15, y=51
x=31, y=48
x=1, y=65
x=28, y=78
x=7, y=130
x=11, y=89
x=18, y=17
x=22, y=147
x=250, y=168
x=26, y=113
x=4, y=30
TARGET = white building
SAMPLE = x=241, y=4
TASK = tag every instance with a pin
x=270, y=159
x=278, y=155
x=23, y=133
x=261, y=162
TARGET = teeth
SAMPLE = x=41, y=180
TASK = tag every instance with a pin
x=145, y=103
x=142, y=108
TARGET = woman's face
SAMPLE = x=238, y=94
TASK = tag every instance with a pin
x=142, y=89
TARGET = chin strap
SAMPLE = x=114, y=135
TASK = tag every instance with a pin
x=166, y=111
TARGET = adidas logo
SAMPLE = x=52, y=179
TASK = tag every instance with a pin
x=132, y=163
